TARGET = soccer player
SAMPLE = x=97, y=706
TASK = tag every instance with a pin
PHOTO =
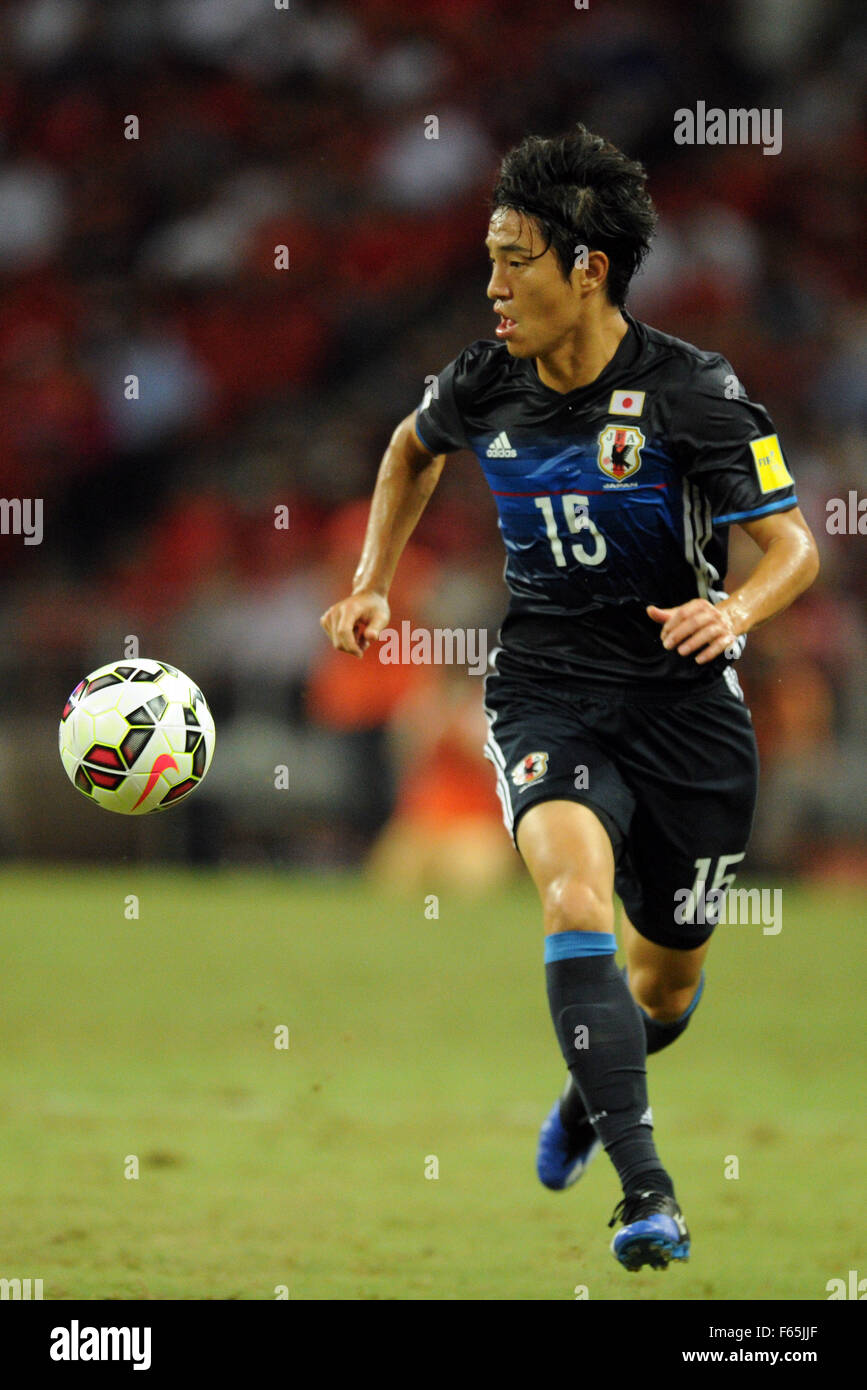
x=623, y=749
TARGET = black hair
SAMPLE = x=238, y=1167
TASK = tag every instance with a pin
x=581, y=190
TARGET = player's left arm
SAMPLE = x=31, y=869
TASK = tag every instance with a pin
x=789, y=565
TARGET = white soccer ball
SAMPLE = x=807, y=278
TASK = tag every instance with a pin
x=136, y=736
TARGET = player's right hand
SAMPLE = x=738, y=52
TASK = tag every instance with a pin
x=355, y=622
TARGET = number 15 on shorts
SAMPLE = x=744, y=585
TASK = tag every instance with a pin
x=702, y=904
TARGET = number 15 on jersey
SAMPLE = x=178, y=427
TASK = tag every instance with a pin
x=575, y=510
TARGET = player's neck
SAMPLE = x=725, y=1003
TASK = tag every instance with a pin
x=581, y=358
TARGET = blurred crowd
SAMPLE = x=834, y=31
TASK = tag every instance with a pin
x=230, y=254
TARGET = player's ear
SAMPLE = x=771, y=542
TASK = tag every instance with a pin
x=597, y=270
x=589, y=271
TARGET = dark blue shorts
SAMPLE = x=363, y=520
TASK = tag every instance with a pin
x=672, y=777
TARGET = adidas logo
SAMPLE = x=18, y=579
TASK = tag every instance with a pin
x=647, y=1117
x=500, y=448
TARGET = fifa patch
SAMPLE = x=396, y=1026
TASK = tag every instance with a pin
x=626, y=403
x=620, y=451
x=770, y=464
x=530, y=769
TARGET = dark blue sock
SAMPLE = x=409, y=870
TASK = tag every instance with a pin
x=601, y=1036
x=573, y=1111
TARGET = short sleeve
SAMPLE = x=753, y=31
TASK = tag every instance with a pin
x=727, y=445
x=438, y=423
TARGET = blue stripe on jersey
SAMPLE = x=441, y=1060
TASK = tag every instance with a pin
x=784, y=505
x=422, y=438
x=565, y=945
x=552, y=464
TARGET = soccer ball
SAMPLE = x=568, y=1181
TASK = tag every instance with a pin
x=136, y=736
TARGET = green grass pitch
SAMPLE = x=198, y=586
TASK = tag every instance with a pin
x=409, y=1040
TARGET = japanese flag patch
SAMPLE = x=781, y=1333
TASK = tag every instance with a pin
x=626, y=403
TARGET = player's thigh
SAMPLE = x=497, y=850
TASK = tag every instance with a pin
x=662, y=979
x=570, y=857
x=564, y=800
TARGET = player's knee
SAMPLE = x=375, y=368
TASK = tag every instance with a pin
x=572, y=904
x=660, y=1000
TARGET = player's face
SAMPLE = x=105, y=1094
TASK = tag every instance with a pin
x=538, y=309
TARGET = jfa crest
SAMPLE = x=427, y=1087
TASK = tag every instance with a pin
x=620, y=451
x=530, y=769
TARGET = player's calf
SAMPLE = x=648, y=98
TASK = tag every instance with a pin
x=661, y=1030
x=602, y=1041
x=567, y=1140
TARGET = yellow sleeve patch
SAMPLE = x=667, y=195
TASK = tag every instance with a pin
x=770, y=464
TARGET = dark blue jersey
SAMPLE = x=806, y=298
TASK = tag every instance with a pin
x=611, y=497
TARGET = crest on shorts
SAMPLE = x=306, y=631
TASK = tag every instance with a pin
x=620, y=451
x=530, y=769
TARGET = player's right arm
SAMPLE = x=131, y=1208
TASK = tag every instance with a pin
x=407, y=477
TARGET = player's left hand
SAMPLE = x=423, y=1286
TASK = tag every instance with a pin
x=697, y=626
